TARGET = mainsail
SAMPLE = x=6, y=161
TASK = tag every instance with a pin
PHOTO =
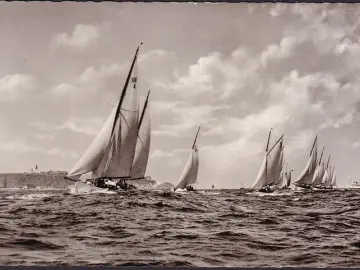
x=279, y=173
x=326, y=180
x=111, y=153
x=287, y=179
x=143, y=143
x=333, y=178
x=269, y=167
x=275, y=163
x=307, y=174
x=190, y=172
x=319, y=171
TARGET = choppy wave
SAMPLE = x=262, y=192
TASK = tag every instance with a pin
x=156, y=228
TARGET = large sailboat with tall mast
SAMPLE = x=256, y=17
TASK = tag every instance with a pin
x=269, y=174
x=119, y=152
x=189, y=175
x=306, y=177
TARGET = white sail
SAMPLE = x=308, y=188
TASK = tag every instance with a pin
x=333, y=178
x=273, y=164
x=319, y=174
x=326, y=181
x=279, y=175
x=123, y=143
x=260, y=180
x=142, y=146
x=190, y=172
x=288, y=182
x=90, y=160
x=307, y=174
x=268, y=169
x=112, y=152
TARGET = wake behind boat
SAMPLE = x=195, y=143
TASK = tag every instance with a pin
x=120, y=151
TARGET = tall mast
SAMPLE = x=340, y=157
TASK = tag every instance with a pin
x=195, y=138
x=322, y=152
x=313, y=145
x=267, y=147
x=125, y=87
x=282, y=136
x=143, y=111
x=327, y=165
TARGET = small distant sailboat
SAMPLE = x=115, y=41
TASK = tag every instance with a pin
x=327, y=178
x=319, y=172
x=269, y=174
x=120, y=151
x=306, y=177
x=333, y=178
x=190, y=172
x=286, y=179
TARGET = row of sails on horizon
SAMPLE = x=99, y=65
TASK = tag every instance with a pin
x=314, y=175
x=121, y=148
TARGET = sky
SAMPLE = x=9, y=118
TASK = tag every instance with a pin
x=236, y=70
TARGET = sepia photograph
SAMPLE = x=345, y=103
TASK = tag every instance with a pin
x=179, y=134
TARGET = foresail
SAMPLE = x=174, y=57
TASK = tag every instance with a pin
x=325, y=180
x=333, y=180
x=288, y=180
x=279, y=175
x=260, y=180
x=190, y=172
x=92, y=157
x=142, y=147
x=318, y=174
x=307, y=174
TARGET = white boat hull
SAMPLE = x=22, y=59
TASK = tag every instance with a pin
x=83, y=188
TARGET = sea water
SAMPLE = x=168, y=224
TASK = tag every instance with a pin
x=209, y=228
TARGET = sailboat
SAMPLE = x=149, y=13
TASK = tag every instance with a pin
x=119, y=152
x=268, y=173
x=333, y=179
x=306, y=177
x=190, y=172
x=326, y=180
x=319, y=172
x=287, y=180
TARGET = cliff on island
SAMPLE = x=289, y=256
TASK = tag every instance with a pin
x=54, y=179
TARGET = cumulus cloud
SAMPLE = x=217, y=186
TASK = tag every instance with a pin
x=16, y=86
x=90, y=81
x=278, y=9
x=88, y=127
x=23, y=147
x=186, y=117
x=277, y=52
x=81, y=38
x=158, y=153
